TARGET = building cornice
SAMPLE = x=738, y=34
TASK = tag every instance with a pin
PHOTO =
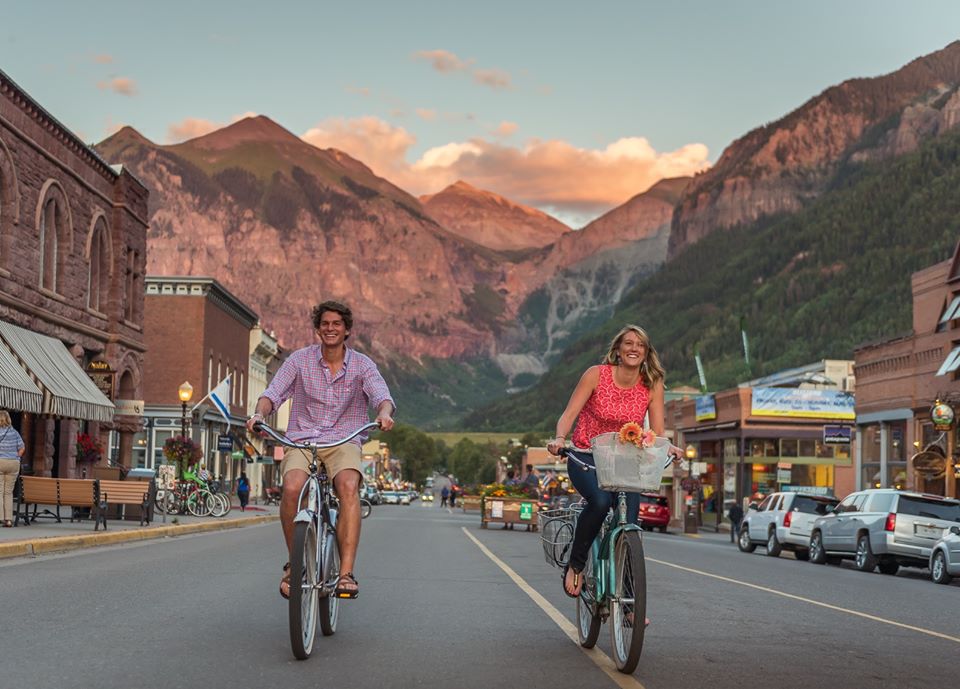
x=207, y=287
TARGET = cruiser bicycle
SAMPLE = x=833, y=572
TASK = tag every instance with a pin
x=314, y=554
x=614, y=578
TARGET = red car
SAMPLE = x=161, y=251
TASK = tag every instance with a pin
x=654, y=511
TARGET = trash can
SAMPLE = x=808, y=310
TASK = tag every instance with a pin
x=147, y=476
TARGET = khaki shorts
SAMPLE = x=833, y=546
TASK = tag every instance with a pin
x=346, y=456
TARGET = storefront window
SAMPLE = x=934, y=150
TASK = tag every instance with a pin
x=788, y=447
x=764, y=448
x=139, y=458
x=896, y=441
x=870, y=437
x=824, y=451
x=870, y=475
x=159, y=438
x=808, y=448
x=897, y=475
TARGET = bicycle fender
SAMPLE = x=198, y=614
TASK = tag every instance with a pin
x=303, y=516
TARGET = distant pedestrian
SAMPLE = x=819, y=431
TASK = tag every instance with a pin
x=453, y=495
x=243, y=490
x=11, y=450
x=511, y=478
x=532, y=481
x=736, y=518
x=444, y=496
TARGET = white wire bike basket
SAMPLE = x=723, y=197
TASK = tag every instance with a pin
x=626, y=467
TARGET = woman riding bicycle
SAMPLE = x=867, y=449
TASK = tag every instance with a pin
x=626, y=387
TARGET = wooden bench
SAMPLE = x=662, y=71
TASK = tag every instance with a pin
x=75, y=493
x=138, y=493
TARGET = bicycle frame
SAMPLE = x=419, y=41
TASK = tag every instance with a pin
x=602, y=553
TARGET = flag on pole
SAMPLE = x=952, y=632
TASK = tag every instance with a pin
x=220, y=396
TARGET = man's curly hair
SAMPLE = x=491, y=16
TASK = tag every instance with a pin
x=345, y=313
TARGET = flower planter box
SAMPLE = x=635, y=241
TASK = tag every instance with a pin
x=509, y=511
x=470, y=503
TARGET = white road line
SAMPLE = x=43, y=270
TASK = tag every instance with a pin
x=836, y=608
x=601, y=659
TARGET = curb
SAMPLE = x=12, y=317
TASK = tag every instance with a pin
x=55, y=544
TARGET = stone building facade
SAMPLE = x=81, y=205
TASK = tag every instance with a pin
x=72, y=260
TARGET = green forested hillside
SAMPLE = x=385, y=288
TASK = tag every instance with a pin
x=808, y=286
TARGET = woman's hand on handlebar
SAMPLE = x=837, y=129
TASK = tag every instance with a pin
x=554, y=446
x=676, y=454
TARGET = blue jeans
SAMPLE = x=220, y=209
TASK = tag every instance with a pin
x=599, y=503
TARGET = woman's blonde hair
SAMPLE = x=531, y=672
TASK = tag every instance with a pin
x=651, y=370
x=5, y=418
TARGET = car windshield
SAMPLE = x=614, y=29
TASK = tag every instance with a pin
x=654, y=499
x=932, y=509
x=809, y=505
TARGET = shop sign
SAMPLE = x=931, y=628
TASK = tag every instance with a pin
x=706, y=408
x=783, y=475
x=812, y=490
x=801, y=403
x=942, y=416
x=930, y=464
x=496, y=509
x=129, y=407
x=102, y=376
x=526, y=510
x=837, y=435
x=224, y=443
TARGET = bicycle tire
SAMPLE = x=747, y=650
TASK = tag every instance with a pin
x=225, y=499
x=198, y=504
x=626, y=635
x=329, y=604
x=562, y=544
x=366, y=507
x=303, y=589
x=588, y=616
x=217, y=507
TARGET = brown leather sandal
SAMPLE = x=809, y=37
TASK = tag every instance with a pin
x=285, y=580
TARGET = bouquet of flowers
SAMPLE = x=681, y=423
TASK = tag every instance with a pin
x=88, y=449
x=632, y=432
x=499, y=490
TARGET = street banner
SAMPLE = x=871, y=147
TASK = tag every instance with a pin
x=799, y=403
x=706, y=408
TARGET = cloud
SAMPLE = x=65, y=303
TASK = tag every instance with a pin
x=103, y=59
x=426, y=114
x=192, y=127
x=505, y=129
x=442, y=60
x=357, y=90
x=494, y=78
x=577, y=183
x=121, y=85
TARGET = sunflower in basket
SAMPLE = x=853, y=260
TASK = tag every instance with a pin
x=630, y=432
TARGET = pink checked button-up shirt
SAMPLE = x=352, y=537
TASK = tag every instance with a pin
x=325, y=407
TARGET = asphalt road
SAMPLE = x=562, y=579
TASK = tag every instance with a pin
x=436, y=610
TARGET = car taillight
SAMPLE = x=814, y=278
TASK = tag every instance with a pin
x=891, y=523
x=788, y=519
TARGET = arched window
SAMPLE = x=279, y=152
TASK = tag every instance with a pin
x=54, y=228
x=9, y=204
x=98, y=253
x=132, y=288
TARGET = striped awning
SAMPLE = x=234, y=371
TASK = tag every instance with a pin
x=67, y=389
x=17, y=391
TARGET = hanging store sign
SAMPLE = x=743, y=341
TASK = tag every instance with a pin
x=837, y=435
x=102, y=376
x=224, y=443
x=801, y=403
x=942, y=416
x=929, y=463
x=706, y=408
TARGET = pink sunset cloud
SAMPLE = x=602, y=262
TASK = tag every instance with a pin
x=442, y=60
x=494, y=78
x=124, y=86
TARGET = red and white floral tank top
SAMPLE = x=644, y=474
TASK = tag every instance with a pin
x=609, y=407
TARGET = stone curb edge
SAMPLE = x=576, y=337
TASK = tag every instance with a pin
x=54, y=544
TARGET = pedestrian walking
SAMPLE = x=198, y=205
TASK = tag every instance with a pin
x=444, y=496
x=11, y=450
x=243, y=490
x=736, y=518
x=453, y=495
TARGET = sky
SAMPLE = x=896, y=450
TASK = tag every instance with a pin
x=571, y=107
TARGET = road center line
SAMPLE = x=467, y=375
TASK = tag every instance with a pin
x=821, y=604
x=601, y=659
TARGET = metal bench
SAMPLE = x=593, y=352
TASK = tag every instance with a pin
x=62, y=492
x=138, y=493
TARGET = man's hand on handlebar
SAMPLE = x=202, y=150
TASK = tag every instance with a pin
x=385, y=421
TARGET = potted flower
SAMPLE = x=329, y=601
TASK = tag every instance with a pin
x=88, y=449
x=182, y=452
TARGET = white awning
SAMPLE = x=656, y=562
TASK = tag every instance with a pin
x=67, y=389
x=17, y=391
x=951, y=363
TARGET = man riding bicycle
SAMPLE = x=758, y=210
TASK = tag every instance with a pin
x=332, y=387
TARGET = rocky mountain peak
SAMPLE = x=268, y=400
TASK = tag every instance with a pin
x=259, y=128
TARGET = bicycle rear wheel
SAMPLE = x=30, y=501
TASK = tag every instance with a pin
x=588, y=615
x=329, y=604
x=303, y=589
x=629, y=603
x=366, y=507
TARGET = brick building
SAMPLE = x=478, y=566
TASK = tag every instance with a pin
x=197, y=332
x=72, y=259
x=900, y=379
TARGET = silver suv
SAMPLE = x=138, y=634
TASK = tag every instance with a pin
x=883, y=528
x=782, y=521
x=945, y=557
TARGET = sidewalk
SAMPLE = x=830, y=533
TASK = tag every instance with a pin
x=47, y=536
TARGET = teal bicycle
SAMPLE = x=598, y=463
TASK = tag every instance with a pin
x=615, y=576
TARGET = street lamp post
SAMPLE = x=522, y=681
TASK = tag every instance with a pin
x=690, y=518
x=186, y=393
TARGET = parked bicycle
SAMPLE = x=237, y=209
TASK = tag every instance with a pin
x=314, y=554
x=614, y=578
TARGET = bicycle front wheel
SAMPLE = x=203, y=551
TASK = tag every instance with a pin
x=366, y=507
x=629, y=602
x=303, y=589
x=329, y=603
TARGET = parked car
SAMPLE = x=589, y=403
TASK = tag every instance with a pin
x=883, y=528
x=654, y=511
x=372, y=494
x=945, y=557
x=783, y=521
x=390, y=497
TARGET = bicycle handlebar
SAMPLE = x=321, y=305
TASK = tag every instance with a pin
x=568, y=453
x=285, y=441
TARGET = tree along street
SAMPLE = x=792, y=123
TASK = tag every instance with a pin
x=436, y=610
